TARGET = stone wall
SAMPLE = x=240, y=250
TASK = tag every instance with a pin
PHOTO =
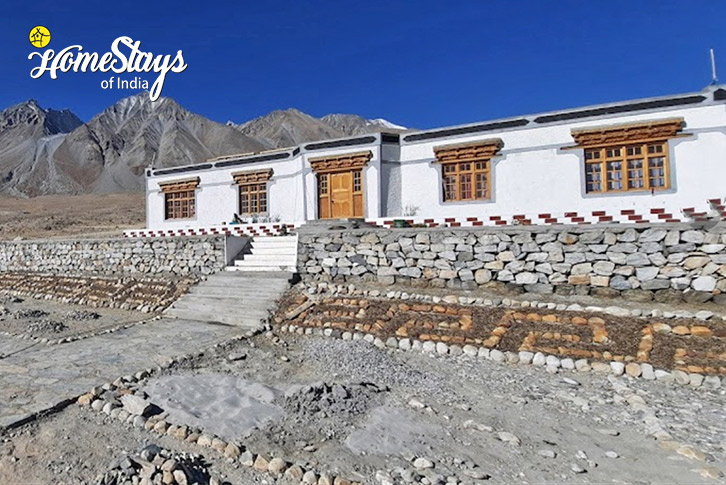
x=181, y=256
x=669, y=263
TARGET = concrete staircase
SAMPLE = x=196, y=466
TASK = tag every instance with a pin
x=233, y=298
x=268, y=253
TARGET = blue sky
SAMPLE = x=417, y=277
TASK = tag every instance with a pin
x=420, y=63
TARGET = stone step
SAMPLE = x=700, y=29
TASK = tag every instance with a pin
x=256, y=269
x=230, y=278
x=243, y=299
x=228, y=306
x=243, y=293
x=267, y=260
x=273, y=250
x=289, y=240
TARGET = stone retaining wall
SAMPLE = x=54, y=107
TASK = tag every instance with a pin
x=180, y=256
x=669, y=263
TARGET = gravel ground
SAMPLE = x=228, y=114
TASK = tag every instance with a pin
x=383, y=416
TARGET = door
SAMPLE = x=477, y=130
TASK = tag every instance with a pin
x=341, y=195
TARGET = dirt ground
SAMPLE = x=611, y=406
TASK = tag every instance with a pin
x=352, y=409
x=61, y=216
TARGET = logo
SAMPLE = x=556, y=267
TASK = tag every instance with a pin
x=126, y=56
x=39, y=36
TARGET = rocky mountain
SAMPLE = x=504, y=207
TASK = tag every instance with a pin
x=352, y=125
x=29, y=136
x=110, y=152
x=286, y=128
x=291, y=127
x=44, y=151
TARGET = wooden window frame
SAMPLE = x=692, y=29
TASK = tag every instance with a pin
x=180, y=199
x=462, y=168
x=253, y=191
x=615, y=162
x=253, y=194
x=610, y=152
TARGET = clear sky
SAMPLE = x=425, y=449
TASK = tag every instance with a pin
x=419, y=63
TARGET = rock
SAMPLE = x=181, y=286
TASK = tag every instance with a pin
x=85, y=399
x=633, y=370
x=547, y=453
x=261, y=463
x=180, y=477
x=611, y=454
x=310, y=478
x=98, y=404
x=608, y=431
x=135, y=405
x=704, y=283
x=617, y=368
x=234, y=357
x=577, y=469
x=539, y=359
x=246, y=458
x=294, y=473
x=508, y=437
x=496, y=355
x=422, y=463
x=277, y=466
x=647, y=372
x=232, y=451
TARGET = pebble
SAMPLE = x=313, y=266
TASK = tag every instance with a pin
x=578, y=469
x=571, y=382
x=611, y=454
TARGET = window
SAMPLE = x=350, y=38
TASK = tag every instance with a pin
x=253, y=199
x=466, y=181
x=357, y=181
x=180, y=205
x=627, y=158
x=466, y=170
x=252, y=191
x=179, y=198
x=627, y=168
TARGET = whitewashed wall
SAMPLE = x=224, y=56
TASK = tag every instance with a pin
x=532, y=174
x=218, y=195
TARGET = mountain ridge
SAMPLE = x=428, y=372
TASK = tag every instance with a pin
x=48, y=151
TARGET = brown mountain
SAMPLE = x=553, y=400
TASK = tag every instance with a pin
x=46, y=152
x=29, y=136
x=289, y=127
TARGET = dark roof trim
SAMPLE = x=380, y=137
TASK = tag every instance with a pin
x=341, y=143
x=719, y=94
x=296, y=151
x=190, y=168
x=390, y=137
x=623, y=108
x=261, y=158
x=465, y=130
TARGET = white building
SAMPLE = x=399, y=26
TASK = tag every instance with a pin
x=656, y=159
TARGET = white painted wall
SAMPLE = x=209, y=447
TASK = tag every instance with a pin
x=218, y=196
x=533, y=175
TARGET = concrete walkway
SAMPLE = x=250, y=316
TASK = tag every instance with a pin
x=35, y=378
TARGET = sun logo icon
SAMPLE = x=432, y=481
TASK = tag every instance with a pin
x=39, y=36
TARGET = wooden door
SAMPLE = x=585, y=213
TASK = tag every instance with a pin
x=341, y=195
